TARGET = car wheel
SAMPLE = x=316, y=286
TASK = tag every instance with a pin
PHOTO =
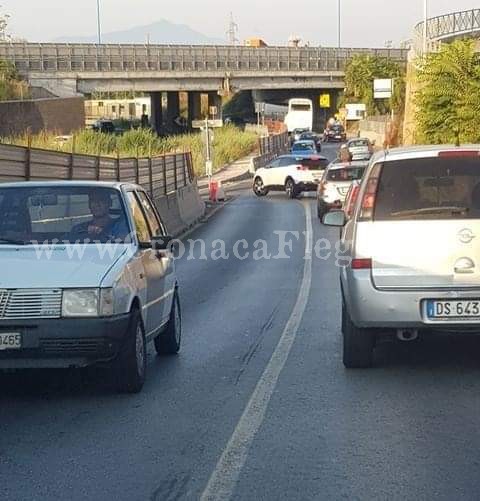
x=259, y=188
x=131, y=366
x=291, y=188
x=358, y=343
x=168, y=343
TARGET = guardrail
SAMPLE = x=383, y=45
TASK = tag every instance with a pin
x=449, y=25
x=30, y=57
x=158, y=175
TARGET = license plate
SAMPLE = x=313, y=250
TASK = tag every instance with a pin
x=10, y=341
x=454, y=309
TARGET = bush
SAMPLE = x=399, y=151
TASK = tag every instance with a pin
x=229, y=144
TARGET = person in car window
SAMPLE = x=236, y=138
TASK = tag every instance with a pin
x=102, y=226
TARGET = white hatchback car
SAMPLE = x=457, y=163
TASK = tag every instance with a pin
x=293, y=174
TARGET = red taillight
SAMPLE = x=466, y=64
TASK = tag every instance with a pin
x=362, y=264
x=352, y=200
x=302, y=167
x=459, y=153
x=322, y=187
x=370, y=194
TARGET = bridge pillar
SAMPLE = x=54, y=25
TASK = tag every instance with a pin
x=173, y=112
x=156, y=117
x=194, y=107
x=215, y=100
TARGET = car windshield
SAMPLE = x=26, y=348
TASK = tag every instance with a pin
x=303, y=146
x=346, y=173
x=59, y=214
x=429, y=188
x=358, y=143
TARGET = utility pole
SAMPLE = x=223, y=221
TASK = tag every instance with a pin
x=339, y=24
x=99, y=25
x=232, y=31
x=425, y=27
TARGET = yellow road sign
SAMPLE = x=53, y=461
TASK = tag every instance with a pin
x=324, y=100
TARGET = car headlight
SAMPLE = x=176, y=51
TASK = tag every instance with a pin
x=87, y=302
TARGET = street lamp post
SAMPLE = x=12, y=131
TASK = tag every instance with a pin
x=339, y=24
x=99, y=26
x=425, y=28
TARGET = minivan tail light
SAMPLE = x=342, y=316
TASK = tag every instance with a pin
x=322, y=187
x=362, y=264
x=459, y=153
x=352, y=201
x=370, y=194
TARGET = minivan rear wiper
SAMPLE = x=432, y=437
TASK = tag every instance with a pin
x=12, y=241
x=431, y=210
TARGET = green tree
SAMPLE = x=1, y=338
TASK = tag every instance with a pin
x=360, y=73
x=448, y=102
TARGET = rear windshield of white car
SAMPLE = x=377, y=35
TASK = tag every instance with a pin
x=358, y=143
x=314, y=164
x=345, y=174
x=429, y=188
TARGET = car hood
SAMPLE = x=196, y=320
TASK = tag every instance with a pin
x=46, y=266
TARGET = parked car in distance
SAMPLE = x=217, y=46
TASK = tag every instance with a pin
x=335, y=133
x=360, y=149
x=335, y=184
x=87, y=279
x=104, y=126
x=293, y=174
x=307, y=146
x=414, y=248
x=311, y=136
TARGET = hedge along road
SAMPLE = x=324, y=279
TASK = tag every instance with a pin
x=405, y=429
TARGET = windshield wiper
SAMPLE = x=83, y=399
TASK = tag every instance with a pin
x=12, y=241
x=431, y=210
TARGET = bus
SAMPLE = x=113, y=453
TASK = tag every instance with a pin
x=300, y=114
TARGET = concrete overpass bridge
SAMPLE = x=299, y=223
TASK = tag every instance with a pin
x=70, y=69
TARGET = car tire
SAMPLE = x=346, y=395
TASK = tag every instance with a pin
x=259, y=188
x=291, y=188
x=169, y=342
x=131, y=366
x=358, y=343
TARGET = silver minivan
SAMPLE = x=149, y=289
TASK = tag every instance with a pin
x=413, y=247
x=87, y=277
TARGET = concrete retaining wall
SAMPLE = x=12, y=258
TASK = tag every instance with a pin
x=375, y=129
x=182, y=209
x=56, y=115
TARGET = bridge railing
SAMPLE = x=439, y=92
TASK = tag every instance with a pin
x=449, y=25
x=29, y=57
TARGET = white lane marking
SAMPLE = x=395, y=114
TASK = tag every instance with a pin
x=224, y=478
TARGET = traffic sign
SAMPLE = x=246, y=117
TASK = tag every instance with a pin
x=382, y=88
x=212, y=124
x=324, y=100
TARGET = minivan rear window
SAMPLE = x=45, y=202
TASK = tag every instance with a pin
x=345, y=174
x=429, y=188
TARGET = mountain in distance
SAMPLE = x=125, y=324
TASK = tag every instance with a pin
x=161, y=32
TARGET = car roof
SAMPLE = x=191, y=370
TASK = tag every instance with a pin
x=358, y=139
x=302, y=156
x=412, y=152
x=78, y=184
x=343, y=165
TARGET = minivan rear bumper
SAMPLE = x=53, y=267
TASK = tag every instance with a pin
x=63, y=343
x=373, y=308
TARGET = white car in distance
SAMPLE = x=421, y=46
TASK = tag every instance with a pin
x=293, y=174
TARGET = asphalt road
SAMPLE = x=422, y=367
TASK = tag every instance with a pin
x=258, y=405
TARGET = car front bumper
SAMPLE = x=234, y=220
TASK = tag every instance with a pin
x=63, y=343
x=370, y=307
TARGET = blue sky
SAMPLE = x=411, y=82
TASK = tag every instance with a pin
x=366, y=23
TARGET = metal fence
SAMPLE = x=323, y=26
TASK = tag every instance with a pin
x=446, y=26
x=50, y=57
x=158, y=175
x=275, y=144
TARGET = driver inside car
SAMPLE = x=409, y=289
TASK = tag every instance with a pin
x=102, y=226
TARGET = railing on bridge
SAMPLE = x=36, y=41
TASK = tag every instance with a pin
x=447, y=26
x=30, y=57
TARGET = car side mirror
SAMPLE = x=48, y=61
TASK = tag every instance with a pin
x=161, y=243
x=335, y=218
